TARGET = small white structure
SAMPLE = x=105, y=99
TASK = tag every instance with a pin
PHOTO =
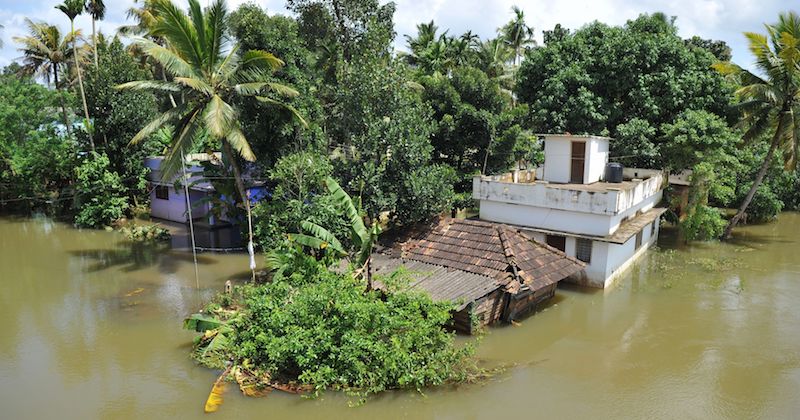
x=169, y=203
x=567, y=204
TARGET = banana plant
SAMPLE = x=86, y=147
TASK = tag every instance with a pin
x=363, y=236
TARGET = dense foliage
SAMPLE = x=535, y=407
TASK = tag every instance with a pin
x=100, y=196
x=299, y=195
x=620, y=81
x=119, y=115
x=328, y=333
x=36, y=156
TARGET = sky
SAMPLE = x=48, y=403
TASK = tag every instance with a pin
x=714, y=19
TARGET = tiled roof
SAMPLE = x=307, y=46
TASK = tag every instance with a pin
x=441, y=283
x=491, y=249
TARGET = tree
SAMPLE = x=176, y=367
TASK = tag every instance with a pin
x=144, y=16
x=271, y=129
x=770, y=103
x=46, y=53
x=357, y=27
x=97, y=10
x=36, y=162
x=119, y=115
x=362, y=236
x=73, y=8
x=600, y=79
x=516, y=33
x=100, y=196
x=210, y=78
x=381, y=129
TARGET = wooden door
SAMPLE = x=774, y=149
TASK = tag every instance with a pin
x=578, y=162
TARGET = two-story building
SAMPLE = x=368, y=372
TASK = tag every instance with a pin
x=569, y=204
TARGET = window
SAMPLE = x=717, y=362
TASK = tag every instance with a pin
x=639, y=239
x=557, y=241
x=583, y=250
x=162, y=192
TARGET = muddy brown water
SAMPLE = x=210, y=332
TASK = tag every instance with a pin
x=91, y=328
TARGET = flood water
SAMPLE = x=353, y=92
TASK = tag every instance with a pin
x=91, y=328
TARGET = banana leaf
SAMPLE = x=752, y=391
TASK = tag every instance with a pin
x=201, y=323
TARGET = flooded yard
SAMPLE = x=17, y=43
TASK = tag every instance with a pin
x=92, y=329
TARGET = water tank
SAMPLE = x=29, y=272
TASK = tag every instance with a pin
x=614, y=172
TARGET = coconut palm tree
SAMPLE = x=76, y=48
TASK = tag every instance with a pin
x=770, y=103
x=516, y=33
x=210, y=75
x=73, y=8
x=45, y=53
x=145, y=17
x=97, y=10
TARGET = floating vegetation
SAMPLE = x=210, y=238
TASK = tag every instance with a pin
x=715, y=264
x=145, y=233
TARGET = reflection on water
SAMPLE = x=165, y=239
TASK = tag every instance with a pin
x=92, y=329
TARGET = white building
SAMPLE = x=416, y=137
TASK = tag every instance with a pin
x=169, y=203
x=567, y=204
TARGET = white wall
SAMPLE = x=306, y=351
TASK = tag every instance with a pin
x=596, y=160
x=621, y=257
x=546, y=218
x=557, y=159
x=174, y=209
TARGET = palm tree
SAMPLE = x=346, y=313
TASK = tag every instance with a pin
x=73, y=8
x=210, y=77
x=516, y=33
x=97, y=10
x=45, y=52
x=426, y=36
x=145, y=17
x=770, y=104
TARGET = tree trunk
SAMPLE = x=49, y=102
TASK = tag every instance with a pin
x=61, y=99
x=237, y=175
x=756, y=183
x=80, y=85
x=164, y=76
x=94, y=43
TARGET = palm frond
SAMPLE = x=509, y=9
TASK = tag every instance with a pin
x=182, y=139
x=174, y=26
x=158, y=85
x=219, y=117
x=295, y=113
x=239, y=142
x=166, y=118
x=260, y=59
x=214, y=31
x=167, y=58
x=255, y=88
x=196, y=84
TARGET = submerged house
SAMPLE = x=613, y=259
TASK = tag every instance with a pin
x=213, y=229
x=492, y=271
x=602, y=214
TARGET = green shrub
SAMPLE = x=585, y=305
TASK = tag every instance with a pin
x=330, y=334
x=703, y=223
x=765, y=205
x=145, y=233
x=299, y=195
x=100, y=195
